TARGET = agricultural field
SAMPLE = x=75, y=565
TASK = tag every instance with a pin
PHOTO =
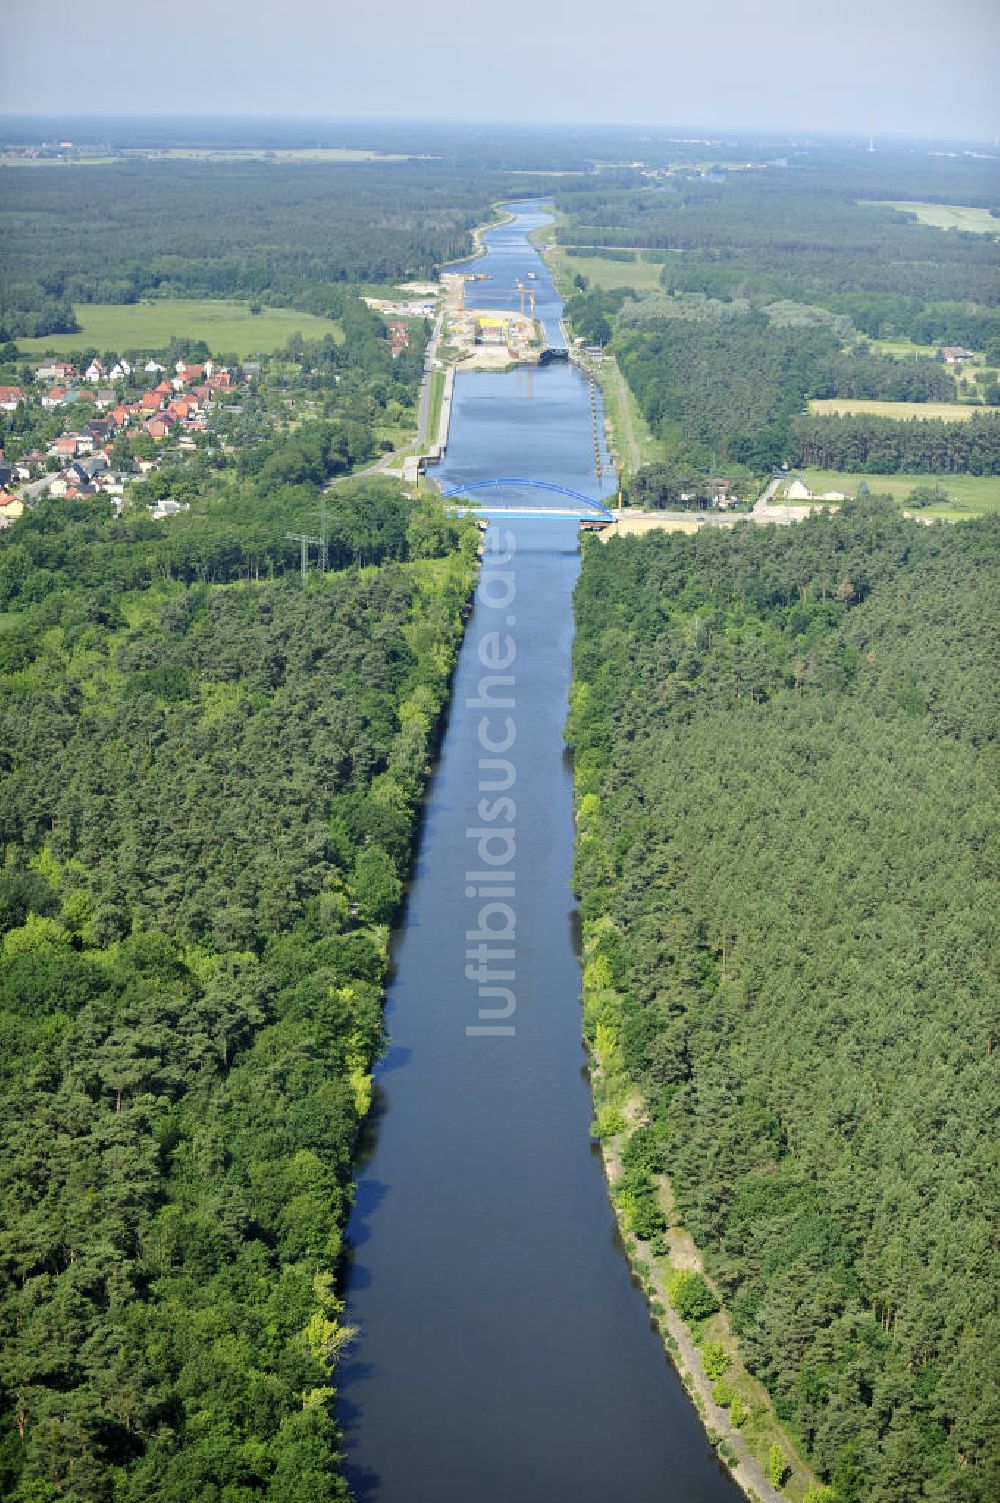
x=948, y=216
x=226, y=327
x=951, y=411
x=965, y=495
x=602, y=272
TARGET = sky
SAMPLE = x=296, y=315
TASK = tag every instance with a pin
x=922, y=67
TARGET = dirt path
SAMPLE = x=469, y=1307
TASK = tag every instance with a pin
x=747, y=1470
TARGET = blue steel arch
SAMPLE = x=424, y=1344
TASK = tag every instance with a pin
x=539, y=485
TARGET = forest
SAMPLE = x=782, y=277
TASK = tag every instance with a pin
x=210, y=780
x=883, y=445
x=774, y=280
x=787, y=825
x=290, y=235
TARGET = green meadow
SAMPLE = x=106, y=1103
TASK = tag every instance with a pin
x=964, y=495
x=946, y=216
x=226, y=327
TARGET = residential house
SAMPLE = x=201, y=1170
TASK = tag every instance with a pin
x=151, y=368
x=150, y=401
x=11, y=507
x=954, y=354
x=67, y=447
x=55, y=397
x=88, y=468
x=120, y=371
x=159, y=425
x=94, y=373
x=399, y=336
x=113, y=482
x=168, y=507
x=9, y=397
x=720, y=489
x=30, y=464
x=797, y=490
x=105, y=396
x=55, y=370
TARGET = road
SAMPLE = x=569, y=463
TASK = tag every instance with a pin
x=424, y=407
x=423, y=414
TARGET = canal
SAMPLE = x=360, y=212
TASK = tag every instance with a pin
x=504, y=1354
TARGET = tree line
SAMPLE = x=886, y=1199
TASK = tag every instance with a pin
x=785, y=812
x=209, y=795
x=862, y=441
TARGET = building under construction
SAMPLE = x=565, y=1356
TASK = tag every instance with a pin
x=492, y=330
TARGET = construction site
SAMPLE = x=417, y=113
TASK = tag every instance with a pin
x=484, y=333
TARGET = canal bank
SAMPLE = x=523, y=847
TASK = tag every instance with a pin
x=504, y=1349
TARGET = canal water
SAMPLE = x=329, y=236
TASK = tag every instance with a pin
x=503, y=1354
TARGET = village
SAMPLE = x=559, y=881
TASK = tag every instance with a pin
x=143, y=403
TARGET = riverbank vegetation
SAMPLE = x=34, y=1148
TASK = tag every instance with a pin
x=785, y=813
x=210, y=791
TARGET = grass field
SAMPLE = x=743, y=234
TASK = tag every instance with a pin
x=968, y=495
x=902, y=348
x=226, y=327
x=434, y=406
x=952, y=411
x=948, y=216
x=633, y=442
x=642, y=275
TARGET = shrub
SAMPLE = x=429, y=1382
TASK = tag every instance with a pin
x=714, y=1359
x=777, y=1466
x=691, y=1296
x=738, y=1412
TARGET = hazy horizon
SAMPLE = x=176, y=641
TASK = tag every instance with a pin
x=906, y=68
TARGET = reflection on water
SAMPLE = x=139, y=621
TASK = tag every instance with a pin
x=504, y=1352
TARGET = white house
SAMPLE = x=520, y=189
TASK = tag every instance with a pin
x=168, y=507
x=797, y=490
x=94, y=372
x=152, y=368
x=120, y=370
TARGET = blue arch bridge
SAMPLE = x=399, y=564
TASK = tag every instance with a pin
x=575, y=504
